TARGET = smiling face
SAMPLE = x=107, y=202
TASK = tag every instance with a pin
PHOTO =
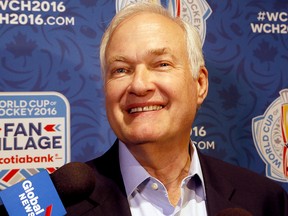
x=151, y=95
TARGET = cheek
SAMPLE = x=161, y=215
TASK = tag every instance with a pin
x=189, y=94
x=111, y=103
x=114, y=94
x=185, y=88
x=110, y=99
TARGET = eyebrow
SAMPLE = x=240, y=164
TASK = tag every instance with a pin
x=152, y=52
x=160, y=51
x=116, y=58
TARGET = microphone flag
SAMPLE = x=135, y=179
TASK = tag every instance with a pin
x=33, y=196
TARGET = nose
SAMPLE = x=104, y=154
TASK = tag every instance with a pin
x=141, y=81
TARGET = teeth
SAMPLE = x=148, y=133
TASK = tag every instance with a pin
x=145, y=109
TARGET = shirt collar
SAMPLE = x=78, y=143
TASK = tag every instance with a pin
x=129, y=166
x=195, y=166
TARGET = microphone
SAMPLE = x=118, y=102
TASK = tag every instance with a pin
x=37, y=195
x=234, y=212
x=74, y=182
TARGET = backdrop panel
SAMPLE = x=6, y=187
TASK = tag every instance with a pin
x=52, y=46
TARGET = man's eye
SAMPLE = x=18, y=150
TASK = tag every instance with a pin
x=121, y=70
x=164, y=64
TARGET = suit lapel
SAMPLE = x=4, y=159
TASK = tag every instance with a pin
x=109, y=166
x=218, y=190
x=110, y=193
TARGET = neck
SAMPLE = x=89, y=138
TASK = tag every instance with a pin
x=168, y=163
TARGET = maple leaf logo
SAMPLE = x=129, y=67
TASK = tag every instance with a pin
x=265, y=52
x=230, y=97
x=21, y=47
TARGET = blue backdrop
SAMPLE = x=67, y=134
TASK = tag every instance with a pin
x=53, y=46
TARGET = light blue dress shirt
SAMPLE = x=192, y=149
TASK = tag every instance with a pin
x=147, y=196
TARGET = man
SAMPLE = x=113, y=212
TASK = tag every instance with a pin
x=155, y=80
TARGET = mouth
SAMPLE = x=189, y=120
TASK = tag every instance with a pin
x=145, y=109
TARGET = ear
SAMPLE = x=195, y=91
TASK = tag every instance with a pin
x=202, y=85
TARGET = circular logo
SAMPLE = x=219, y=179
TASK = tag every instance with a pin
x=270, y=134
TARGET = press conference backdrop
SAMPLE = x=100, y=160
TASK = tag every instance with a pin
x=52, y=107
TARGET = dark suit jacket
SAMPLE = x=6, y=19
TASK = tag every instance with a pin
x=226, y=186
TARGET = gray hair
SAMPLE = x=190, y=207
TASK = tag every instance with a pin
x=193, y=41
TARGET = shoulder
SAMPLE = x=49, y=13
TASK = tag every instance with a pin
x=240, y=178
x=236, y=174
x=244, y=188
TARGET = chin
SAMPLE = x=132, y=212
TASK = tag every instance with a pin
x=141, y=138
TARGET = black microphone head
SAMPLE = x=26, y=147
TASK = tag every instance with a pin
x=74, y=182
x=234, y=212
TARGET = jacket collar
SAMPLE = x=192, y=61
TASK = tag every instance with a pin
x=219, y=191
x=108, y=165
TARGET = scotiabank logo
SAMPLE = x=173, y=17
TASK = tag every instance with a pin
x=34, y=134
x=26, y=136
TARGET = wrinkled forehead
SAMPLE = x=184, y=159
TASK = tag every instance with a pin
x=145, y=32
x=146, y=25
x=147, y=19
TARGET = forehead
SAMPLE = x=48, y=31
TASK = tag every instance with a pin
x=145, y=27
x=148, y=17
